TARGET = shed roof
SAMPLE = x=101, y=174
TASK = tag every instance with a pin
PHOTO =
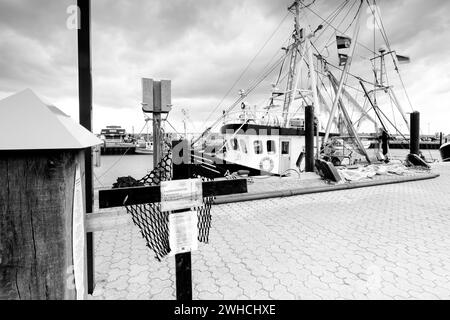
x=27, y=123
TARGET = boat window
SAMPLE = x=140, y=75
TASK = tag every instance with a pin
x=234, y=144
x=271, y=147
x=285, y=147
x=258, y=146
x=243, y=146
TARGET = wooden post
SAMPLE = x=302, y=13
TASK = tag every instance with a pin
x=183, y=267
x=156, y=99
x=36, y=202
x=85, y=112
x=309, y=139
x=415, y=133
x=183, y=271
x=156, y=123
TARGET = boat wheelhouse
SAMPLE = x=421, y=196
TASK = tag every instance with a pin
x=263, y=144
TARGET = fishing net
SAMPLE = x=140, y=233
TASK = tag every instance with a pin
x=154, y=223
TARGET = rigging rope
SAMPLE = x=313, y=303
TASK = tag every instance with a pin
x=246, y=69
x=330, y=25
x=383, y=32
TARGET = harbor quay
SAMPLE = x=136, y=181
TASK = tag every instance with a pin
x=381, y=242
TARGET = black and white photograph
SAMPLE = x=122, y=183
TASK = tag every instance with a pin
x=224, y=155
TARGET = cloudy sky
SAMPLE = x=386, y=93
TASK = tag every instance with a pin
x=202, y=46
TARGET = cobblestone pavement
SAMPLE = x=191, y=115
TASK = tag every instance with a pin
x=385, y=242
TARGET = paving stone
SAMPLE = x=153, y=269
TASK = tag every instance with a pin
x=384, y=242
x=280, y=292
x=230, y=293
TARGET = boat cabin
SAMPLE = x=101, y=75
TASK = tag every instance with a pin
x=113, y=134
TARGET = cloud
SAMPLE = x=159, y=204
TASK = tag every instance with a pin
x=202, y=45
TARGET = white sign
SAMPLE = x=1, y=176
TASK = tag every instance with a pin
x=79, y=238
x=181, y=194
x=183, y=232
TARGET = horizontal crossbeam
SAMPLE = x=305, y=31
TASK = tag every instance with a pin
x=152, y=194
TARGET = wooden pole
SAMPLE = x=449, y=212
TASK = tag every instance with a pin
x=156, y=123
x=309, y=139
x=415, y=133
x=85, y=113
x=36, y=202
x=183, y=271
x=183, y=266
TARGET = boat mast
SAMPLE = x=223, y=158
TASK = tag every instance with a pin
x=344, y=73
x=312, y=71
x=294, y=71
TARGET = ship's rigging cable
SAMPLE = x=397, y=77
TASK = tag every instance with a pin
x=329, y=42
x=240, y=99
x=258, y=81
x=355, y=17
x=349, y=73
x=376, y=109
x=332, y=17
x=246, y=68
x=390, y=99
x=380, y=25
x=307, y=5
x=337, y=30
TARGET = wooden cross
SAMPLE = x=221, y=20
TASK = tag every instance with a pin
x=152, y=194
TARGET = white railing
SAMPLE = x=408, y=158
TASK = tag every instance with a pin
x=267, y=118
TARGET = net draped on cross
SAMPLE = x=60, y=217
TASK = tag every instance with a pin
x=154, y=223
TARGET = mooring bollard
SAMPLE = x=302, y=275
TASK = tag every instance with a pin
x=309, y=139
x=385, y=143
x=415, y=133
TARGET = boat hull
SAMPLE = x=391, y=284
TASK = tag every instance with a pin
x=211, y=166
x=445, y=152
x=143, y=151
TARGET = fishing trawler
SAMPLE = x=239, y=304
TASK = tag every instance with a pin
x=314, y=69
